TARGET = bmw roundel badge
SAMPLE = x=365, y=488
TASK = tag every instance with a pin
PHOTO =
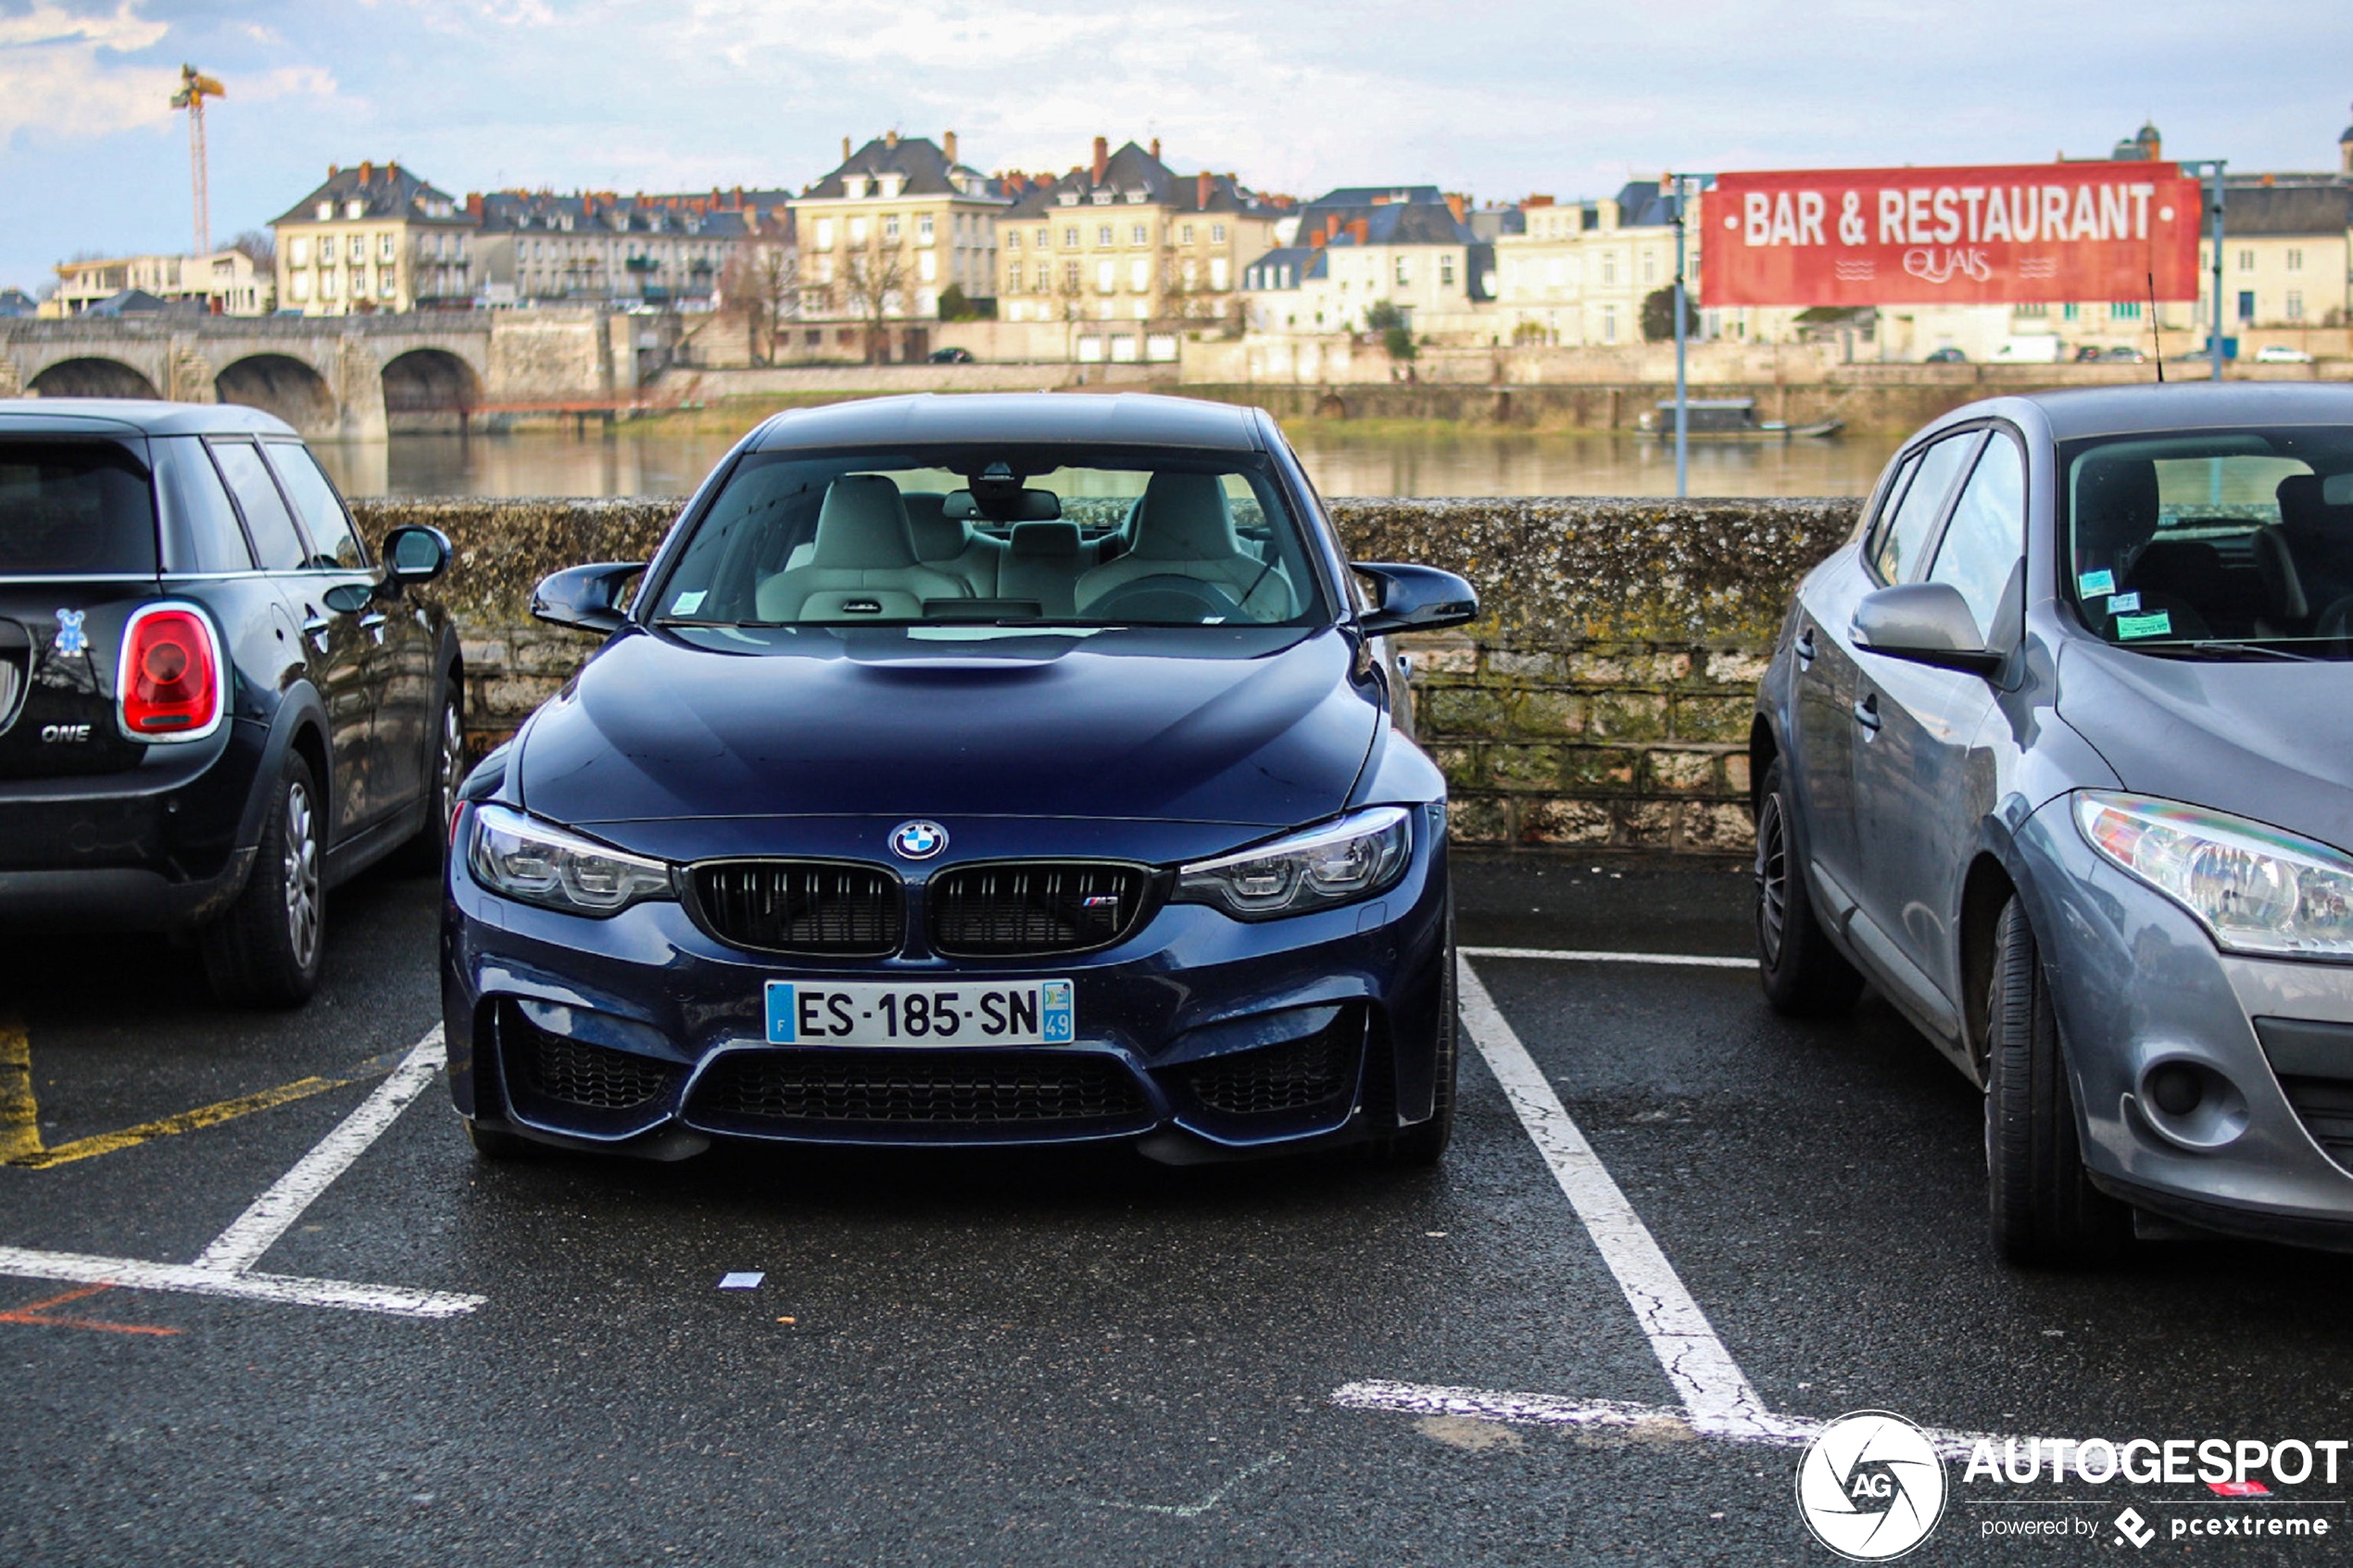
x=918, y=840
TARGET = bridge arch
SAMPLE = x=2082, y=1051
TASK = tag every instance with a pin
x=91, y=376
x=284, y=385
x=428, y=389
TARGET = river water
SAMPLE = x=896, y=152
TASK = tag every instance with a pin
x=652, y=461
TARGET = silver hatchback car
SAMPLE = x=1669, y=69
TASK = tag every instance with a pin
x=2058, y=752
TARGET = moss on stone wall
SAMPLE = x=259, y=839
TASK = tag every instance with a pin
x=1601, y=699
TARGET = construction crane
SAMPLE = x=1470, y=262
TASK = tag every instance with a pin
x=195, y=88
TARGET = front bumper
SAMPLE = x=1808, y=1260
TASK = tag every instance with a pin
x=2267, y=1152
x=1200, y=1036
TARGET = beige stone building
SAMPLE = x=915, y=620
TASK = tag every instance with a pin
x=1579, y=274
x=1126, y=239
x=1351, y=252
x=373, y=237
x=224, y=284
x=885, y=236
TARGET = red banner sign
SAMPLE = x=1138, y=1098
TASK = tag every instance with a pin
x=2023, y=235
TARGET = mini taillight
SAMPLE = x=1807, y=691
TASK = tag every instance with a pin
x=171, y=675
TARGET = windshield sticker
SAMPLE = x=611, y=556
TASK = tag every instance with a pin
x=2157, y=625
x=2091, y=584
x=2124, y=604
x=686, y=604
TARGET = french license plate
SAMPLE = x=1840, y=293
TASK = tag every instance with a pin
x=827, y=1012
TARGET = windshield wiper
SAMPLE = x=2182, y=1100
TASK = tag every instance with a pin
x=2259, y=650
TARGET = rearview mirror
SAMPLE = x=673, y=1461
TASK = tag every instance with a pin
x=584, y=597
x=414, y=554
x=1926, y=624
x=1021, y=506
x=1415, y=598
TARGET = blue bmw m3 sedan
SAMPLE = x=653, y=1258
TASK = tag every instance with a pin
x=987, y=770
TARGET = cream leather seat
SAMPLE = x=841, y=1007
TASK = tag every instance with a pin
x=863, y=567
x=954, y=545
x=1183, y=528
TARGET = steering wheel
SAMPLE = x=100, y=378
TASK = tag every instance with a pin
x=1167, y=596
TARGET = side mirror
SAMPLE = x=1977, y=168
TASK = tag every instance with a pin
x=1927, y=623
x=1415, y=598
x=414, y=554
x=584, y=597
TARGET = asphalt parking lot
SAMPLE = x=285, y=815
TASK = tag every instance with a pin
x=409, y=1356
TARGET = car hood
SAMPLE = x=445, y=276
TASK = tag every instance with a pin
x=1259, y=726
x=2270, y=740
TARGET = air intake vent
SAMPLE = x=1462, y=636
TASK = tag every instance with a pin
x=827, y=906
x=846, y=1088
x=577, y=1073
x=1294, y=1077
x=1035, y=907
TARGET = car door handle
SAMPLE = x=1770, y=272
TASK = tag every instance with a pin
x=1866, y=710
x=1804, y=646
x=374, y=626
x=316, y=630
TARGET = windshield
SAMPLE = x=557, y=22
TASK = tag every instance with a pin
x=2214, y=544
x=1076, y=536
x=73, y=507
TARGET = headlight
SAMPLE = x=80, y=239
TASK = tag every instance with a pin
x=1352, y=859
x=2254, y=889
x=537, y=863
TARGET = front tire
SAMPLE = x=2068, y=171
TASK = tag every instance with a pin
x=264, y=952
x=2044, y=1207
x=1803, y=977
x=425, y=854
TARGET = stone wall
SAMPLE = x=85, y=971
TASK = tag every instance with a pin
x=1601, y=700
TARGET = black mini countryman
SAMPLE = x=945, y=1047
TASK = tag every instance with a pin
x=214, y=705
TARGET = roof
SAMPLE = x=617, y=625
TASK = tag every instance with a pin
x=2196, y=405
x=387, y=189
x=16, y=302
x=1014, y=418
x=1130, y=170
x=1305, y=262
x=128, y=416
x=923, y=168
x=2319, y=206
x=1392, y=223
x=726, y=215
x=139, y=302
x=1645, y=203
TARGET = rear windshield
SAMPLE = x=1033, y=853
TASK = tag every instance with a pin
x=2214, y=544
x=1076, y=537
x=73, y=508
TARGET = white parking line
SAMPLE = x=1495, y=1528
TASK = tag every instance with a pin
x=1717, y=1398
x=225, y=1268
x=1572, y=955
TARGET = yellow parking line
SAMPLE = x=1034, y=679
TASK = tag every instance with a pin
x=20, y=1113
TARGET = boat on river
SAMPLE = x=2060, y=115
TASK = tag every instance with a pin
x=1733, y=419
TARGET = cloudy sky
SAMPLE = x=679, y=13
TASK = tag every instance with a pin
x=1498, y=99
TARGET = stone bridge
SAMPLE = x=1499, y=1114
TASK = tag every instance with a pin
x=359, y=377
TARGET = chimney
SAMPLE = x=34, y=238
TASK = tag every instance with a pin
x=1155, y=149
x=1102, y=158
x=392, y=169
x=1316, y=237
x=1362, y=230
x=334, y=169
x=845, y=149
x=947, y=144
x=1455, y=205
x=473, y=203
x=366, y=173
x=1204, y=187
x=1331, y=225
x=891, y=138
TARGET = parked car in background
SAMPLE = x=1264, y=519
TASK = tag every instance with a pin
x=2281, y=354
x=2058, y=753
x=2122, y=354
x=1946, y=355
x=950, y=355
x=983, y=770
x=2033, y=348
x=214, y=703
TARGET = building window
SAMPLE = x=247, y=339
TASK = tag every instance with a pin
x=2030, y=310
x=298, y=251
x=2295, y=260
x=1609, y=269
x=2246, y=305
x=354, y=208
x=1070, y=238
x=1139, y=233
x=2247, y=261
x=1649, y=269
x=301, y=287
x=1446, y=270
x=324, y=211
x=1217, y=274
x=2125, y=311
x=1217, y=234
x=2295, y=302
x=890, y=227
x=1012, y=239
x=923, y=229
x=1185, y=235
x=1070, y=277
x=1106, y=277
x=1404, y=272
x=1013, y=279
x=1139, y=274
x=2069, y=312
x=385, y=247
x=359, y=247
x=825, y=234
x=1102, y=234
x=1609, y=323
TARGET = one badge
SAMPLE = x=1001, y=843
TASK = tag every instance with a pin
x=71, y=639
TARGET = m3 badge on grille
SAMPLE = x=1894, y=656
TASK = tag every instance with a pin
x=918, y=840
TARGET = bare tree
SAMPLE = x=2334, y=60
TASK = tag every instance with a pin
x=875, y=280
x=1070, y=292
x=260, y=248
x=760, y=283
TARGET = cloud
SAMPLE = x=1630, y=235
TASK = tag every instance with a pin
x=61, y=77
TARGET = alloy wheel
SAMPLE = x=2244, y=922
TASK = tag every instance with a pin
x=1772, y=878
x=301, y=873
x=452, y=759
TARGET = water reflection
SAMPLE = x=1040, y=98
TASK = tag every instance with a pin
x=652, y=460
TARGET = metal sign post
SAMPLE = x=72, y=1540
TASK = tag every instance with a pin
x=2214, y=202
x=1682, y=386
